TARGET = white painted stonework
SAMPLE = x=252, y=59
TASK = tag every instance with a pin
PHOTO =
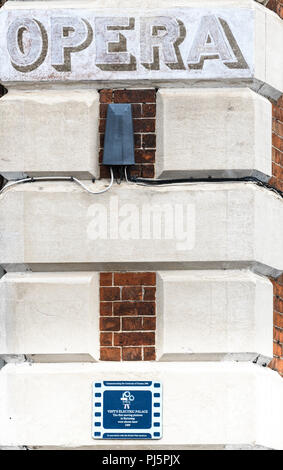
x=213, y=132
x=58, y=133
x=204, y=404
x=49, y=132
x=55, y=315
x=213, y=312
x=211, y=245
x=215, y=43
x=58, y=4
x=50, y=314
x=198, y=225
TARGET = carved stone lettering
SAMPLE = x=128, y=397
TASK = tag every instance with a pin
x=111, y=44
x=160, y=38
x=240, y=62
x=211, y=42
x=68, y=35
x=80, y=44
x=27, y=53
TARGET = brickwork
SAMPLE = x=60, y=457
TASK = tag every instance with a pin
x=277, y=181
x=144, y=113
x=277, y=6
x=277, y=145
x=277, y=362
x=127, y=316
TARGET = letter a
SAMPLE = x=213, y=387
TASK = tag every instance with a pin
x=211, y=42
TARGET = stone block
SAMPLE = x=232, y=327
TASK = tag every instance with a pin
x=50, y=315
x=49, y=132
x=213, y=132
x=212, y=314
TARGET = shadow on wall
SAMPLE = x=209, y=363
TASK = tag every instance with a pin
x=3, y=91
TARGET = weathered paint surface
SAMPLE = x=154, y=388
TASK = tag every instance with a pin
x=74, y=44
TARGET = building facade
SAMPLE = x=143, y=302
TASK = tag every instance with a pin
x=174, y=272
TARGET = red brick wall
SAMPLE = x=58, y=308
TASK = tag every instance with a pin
x=277, y=120
x=277, y=362
x=127, y=316
x=277, y=6
x=144, y=112
x=277, y=181
x=277, y=144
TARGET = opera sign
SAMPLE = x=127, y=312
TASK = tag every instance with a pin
x=183, y=43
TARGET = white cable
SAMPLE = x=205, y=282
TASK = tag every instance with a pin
x=59, y=178
x=98, y=192
x=126, y=175
x=8, y=185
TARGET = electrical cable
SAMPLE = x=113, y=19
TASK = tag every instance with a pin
x=145, y=182
x=96, y=192
x=59, y=178
x=168, y=182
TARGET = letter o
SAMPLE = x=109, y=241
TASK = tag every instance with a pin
x=27, y=61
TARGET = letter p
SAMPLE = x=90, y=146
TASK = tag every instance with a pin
x=69, y=34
